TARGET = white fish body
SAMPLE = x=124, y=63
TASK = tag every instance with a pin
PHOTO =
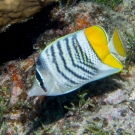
x=75, y=60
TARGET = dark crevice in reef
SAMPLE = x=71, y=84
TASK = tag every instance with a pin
x=17, y=42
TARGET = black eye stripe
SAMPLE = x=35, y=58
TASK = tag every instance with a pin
x=40, y=80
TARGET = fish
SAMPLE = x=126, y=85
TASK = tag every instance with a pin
x=75, y=60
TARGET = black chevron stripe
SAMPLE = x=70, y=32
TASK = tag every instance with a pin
x=57, y=66
x=40, y=80
x=65, y=64
x=76, y=65
x=83, y=55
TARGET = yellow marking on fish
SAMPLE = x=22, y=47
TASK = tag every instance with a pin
x=98, y=40
x=118, y=43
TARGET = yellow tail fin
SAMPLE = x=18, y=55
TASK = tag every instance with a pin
x=98, y=39
x=116, y=45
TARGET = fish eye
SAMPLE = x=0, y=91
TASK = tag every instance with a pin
x=40, y=81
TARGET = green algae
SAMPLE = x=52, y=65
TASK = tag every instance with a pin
x=130, y=59
x=3, y=125
x=83, y=102
x=111, y=3
x=3, y=128
x=96, y=128
x=3, y=107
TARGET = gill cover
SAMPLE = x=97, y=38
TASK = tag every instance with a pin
x=98, y=39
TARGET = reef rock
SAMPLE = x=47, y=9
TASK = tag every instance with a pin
x=13, y=11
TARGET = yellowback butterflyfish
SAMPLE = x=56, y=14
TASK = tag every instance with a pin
x=75, y=60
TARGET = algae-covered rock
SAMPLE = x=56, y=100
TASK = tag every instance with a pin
x=107, y=108
x=13, y=11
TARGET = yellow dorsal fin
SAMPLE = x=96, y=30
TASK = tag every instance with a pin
x=98, y=39
x=116, y=45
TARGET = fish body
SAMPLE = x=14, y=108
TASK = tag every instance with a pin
x=75, y=60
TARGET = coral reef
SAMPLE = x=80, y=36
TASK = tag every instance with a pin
x=102, y=107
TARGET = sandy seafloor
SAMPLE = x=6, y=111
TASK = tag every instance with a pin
x=108, y=106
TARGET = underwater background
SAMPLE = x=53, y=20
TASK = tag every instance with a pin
x=102, y=107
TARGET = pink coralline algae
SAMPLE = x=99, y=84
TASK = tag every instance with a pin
x=115, y=97
x=18, y=74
